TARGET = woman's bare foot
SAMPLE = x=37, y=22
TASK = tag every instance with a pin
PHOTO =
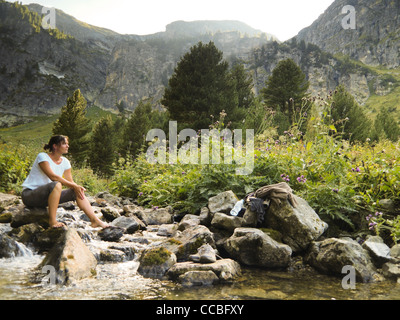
x=57, y=225
x=99, y=223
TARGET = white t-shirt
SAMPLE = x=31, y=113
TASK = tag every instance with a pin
x=37, y=177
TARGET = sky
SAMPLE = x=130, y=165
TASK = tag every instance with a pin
x=282, y=18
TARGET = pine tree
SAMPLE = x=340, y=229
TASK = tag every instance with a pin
x=102, y=147
x=136, y=128
x=200, y=87
x=385, y=126
x=285, y=89
x=348, y=117
x=74, y=124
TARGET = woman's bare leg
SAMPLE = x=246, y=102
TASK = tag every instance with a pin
x=86, y=207
x=53, y=201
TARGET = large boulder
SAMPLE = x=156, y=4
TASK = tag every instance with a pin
x=331, y=255
x=130, y=224
x=156, y=216
x=378, y=250
x=299, y=225
x=71, y=259
x=223, y=202
x=253, y=247
x=9, y=248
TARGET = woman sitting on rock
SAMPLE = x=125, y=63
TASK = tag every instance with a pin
x=43, y=186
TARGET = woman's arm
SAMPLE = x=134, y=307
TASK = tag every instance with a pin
x=67, y=181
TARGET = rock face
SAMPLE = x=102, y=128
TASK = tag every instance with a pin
x=71, y=258
x=298, y=225
x=376, y=22
x=253, y=247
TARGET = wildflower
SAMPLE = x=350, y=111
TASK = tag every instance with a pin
x=378, y=213
x=140, y=194
x=285, y=177
x=301, y=179
x=335, y=190
x=372, y=225
x=368, y=217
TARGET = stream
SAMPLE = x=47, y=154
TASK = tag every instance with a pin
x=120, y=281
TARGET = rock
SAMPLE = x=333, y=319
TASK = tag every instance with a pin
x=71, y=258
x=7, y=200
x=250, y=218
x=226, y=222
x=109, y=198
x=26, y=215
x=130, y=224
x=253, y=247
x=6, y=217
x=299, y=226
x=154, y=263
x=391, y=270
x=156, y=216
x=167, y=230
x=111, y=255
x=395, y=251
x=205, y=216
x=189, y=220
x=110, y=213
x=9, y=248
x=378, y=250
x=186, y=243
x=112, y=234
x=223, y=202
x=227, y=270
x=331, y=255
x=198, y=278
x=27, y=233
x=48, y=238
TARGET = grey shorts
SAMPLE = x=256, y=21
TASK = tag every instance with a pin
x=39, y=197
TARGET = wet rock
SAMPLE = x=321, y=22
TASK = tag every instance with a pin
x=131, y=225
x=48, y=238
x=198, y=278
x=26, y=215
x=223, y=202
x=110, y=213
x=299, y=225
x=71, y=258
x=154, y=263
x=226, y=270
x=226, y=222
x=253, y=247
x=9, y=247
x=111, y=234
x=27, y=233
x=331, y=255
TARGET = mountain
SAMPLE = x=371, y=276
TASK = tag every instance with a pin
x=40, y=67
x=374, y=40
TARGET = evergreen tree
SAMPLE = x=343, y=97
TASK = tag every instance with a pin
x=348, y=117
x=102, y=147
x=385, y=126
x=74, y=124
x=200, y=87
x=285, y=89
x=135, y=130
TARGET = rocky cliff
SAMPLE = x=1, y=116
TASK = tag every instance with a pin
x=40, y=68
x=373, y=39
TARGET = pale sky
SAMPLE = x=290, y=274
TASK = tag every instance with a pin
x=282, y=18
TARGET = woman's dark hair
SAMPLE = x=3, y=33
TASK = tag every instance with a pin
x=55, y=140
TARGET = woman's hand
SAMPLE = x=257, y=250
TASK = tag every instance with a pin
x=79, y=191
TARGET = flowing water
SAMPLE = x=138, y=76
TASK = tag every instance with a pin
x=120, y=281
